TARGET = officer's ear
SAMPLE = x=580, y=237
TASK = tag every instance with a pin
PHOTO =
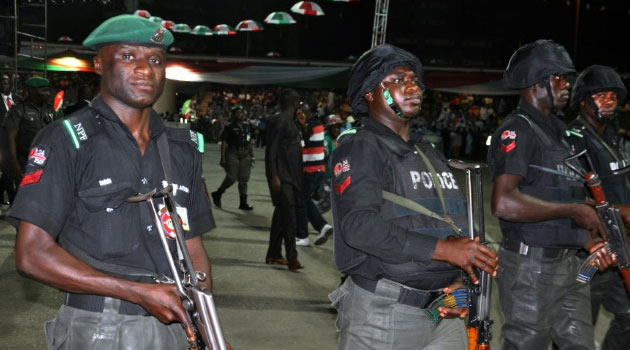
x=369, y=97
x=98, y=64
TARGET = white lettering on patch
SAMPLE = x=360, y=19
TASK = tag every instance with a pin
x=81, y=132
x=447, y=180
x=38, y=156
x=105, y=182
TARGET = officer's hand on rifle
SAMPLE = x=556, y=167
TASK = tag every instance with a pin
x=447, y=312
x=586, y=217
x=466, y=254
x=163, y=302
x=603, y=258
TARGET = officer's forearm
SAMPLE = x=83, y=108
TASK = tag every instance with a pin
x=39, y=257
x=201, y=261
x=224, y=147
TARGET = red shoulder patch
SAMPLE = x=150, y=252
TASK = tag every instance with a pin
x=31, y=178
x=509, y=147
x=342, y=187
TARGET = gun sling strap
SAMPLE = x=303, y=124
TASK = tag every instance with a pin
x=419, y=208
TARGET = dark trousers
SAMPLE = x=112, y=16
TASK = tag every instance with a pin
x=542, y=302
x=308, y=211
x=608, y=289
x=284, y=223
x=237, y=168
x=261, y=140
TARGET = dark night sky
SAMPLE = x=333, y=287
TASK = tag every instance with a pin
x=458, y=33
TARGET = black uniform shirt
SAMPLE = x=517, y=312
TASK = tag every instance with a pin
x=236, y=136
x=80, y=194
x=514, y=144
x=27, y=119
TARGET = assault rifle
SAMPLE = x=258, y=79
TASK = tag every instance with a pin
x=198, y=304
x=617, y=239
x=479, y=322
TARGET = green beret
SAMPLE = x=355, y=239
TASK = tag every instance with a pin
x=129, y=29
x=37, y=82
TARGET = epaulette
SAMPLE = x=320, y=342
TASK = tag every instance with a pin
x=575, y=131
x=346, y=132
x=80, y=127
x=194, y=138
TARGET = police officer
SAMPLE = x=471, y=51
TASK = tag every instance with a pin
x=101, y=250
x=540, y=204
x=395, y=259
x=237, y=157
x=26, y=119
x=597, y=93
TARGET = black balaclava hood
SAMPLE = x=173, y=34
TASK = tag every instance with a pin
x=596, y=79
x=372, y=67
x=535, y=62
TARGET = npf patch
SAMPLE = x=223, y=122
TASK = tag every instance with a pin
x=508, y=135
x=341, y=167
x=38, y=156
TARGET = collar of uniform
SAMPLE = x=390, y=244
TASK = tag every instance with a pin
x=155, y=123
x=550, y=122
x=392, y=140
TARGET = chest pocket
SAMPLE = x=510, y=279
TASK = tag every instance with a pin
x=109, y=196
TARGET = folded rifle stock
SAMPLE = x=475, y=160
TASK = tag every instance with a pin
x=198, y=304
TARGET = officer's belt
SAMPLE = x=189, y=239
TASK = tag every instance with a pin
x=406, y=295
x=237, y=149
x=95, y=303
x=515, y=245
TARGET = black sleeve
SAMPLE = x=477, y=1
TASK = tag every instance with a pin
x=359, y=168
x=274, y=135
x=12, y=120
x=512, y=148
x=46, y=193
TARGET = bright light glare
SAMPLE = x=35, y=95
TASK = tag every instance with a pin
x=181, y=73
x=71, y=64
x=488, y=140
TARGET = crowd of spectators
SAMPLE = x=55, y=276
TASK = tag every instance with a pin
x=458, y=124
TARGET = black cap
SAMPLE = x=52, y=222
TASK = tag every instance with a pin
x=373, y=66
x=595, y=79
x=534, y=62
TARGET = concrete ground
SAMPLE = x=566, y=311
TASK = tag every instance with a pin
x=262, y=307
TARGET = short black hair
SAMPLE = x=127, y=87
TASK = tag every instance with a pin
x=288, y=97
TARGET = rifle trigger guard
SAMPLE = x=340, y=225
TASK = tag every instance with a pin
x=162, y=278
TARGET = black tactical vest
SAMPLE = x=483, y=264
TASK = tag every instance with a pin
x=409, y=177
x=606, y=159
x=547, y=182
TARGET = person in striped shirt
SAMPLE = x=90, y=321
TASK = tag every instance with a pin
x=314, y=166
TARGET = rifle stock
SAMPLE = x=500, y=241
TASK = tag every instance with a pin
x=198, y=304
x=479, y=323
